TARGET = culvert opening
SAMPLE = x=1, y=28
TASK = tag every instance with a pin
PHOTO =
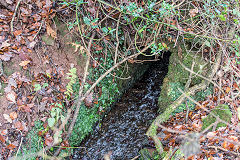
x=122, y=131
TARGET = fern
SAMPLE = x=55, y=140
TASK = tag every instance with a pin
x=72, y=75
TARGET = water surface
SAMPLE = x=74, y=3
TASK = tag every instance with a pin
x=123, y=130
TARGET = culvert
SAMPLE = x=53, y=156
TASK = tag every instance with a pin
x=122, y=131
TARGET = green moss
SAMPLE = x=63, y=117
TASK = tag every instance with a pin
x=111, y=89
x=3, y=85
x=145, y=155
x=177, y=76
x=8, y=68
x=48, y=40
x=34, y=142
x=173, y=155
x=223, y=112
x=85, y=121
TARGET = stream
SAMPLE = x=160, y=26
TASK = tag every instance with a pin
x=122, y=133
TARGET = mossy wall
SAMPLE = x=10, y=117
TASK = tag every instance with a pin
x=223, y=112
x=113, y=91
x=177, y=76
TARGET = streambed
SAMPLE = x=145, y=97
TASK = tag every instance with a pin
x=122, y=132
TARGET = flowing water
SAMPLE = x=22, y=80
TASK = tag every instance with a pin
x=122, y=133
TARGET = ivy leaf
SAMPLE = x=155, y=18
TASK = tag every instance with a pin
x=222, y=17
x=37, y=87
x=86, y=20
x=51, y=122
x=95, y=20
x=105, y=30
x=207, y=43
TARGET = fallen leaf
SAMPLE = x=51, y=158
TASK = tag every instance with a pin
x=193, y=12
x=98, y=47
x=51, y=32
x=24, y=63
x=6, y=56
x=234, y=138
x=9, y=2
x=228, y=89
x=17, y=32
x=107, y=155
x=11, y=146
x=5, y=44
x=12, y=82
x=11, y=96
x=211, y=135
x=225, y=144
x=32, y=44
x=2, y=139
x=7, y=117
x=26, y=108
x=197, y=125
x=89, y=100
x=13, y=115
x=131, y=61
x=18, y=125
x=78, y=46
x=48, y=140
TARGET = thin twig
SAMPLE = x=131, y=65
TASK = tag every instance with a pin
x=14, y=15
x=116, y=49
x=215, y=116
x=223, y=149
x=39, y=29
x=20, y=143
x=199, y=75
x=82, y=87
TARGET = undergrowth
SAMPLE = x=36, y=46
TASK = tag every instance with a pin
x=88, y=117
x=207, y=28
x=34, y=143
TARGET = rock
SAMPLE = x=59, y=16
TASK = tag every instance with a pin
x=223, y=112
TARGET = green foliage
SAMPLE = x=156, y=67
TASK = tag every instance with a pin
x=145, y=155
x=90, y=22
x=199, y=96
x=85, y=120
x=88, y=117
x=34, y=142
x=38, y=87
x=72, y=2
x=72, y=76
x=56, y=114
x=223, y=112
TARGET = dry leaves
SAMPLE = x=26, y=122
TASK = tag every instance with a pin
x=11, y=96
x=7, y=117
x=13, y=115
x=89, y=100
x=24, y=63
x=50, y=31
x=193, y=12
